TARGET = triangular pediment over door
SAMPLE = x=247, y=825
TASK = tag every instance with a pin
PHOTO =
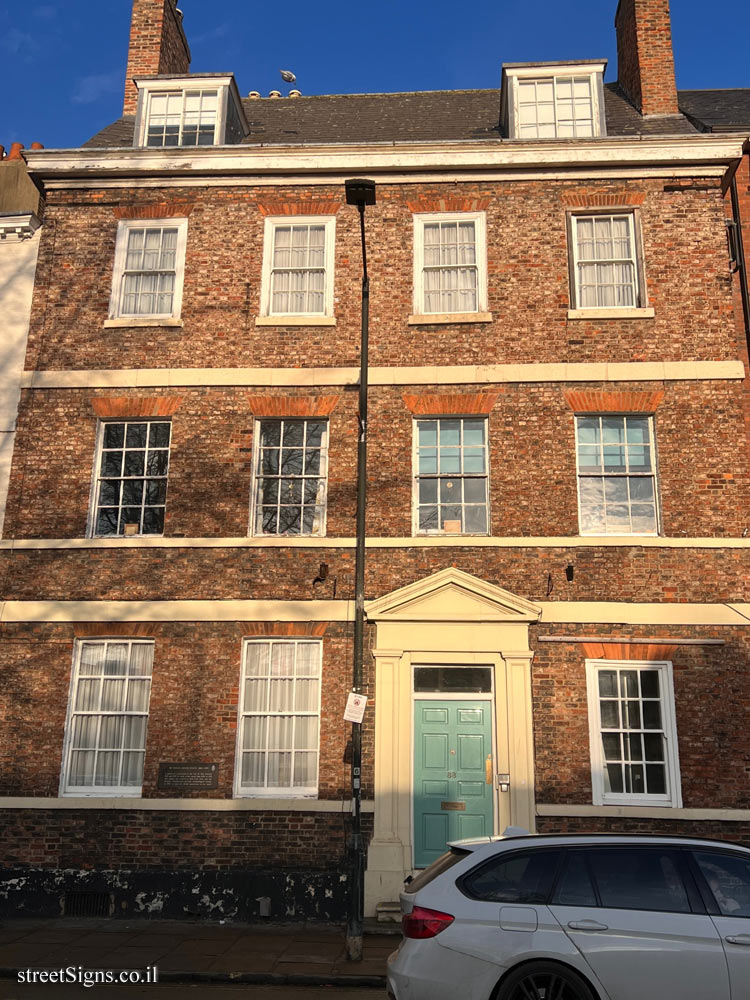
x=452, y=596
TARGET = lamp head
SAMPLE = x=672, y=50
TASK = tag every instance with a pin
x=360, y=191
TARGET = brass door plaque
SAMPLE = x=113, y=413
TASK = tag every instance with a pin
x=453, y=806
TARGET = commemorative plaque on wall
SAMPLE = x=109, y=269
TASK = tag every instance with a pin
x=188, y=777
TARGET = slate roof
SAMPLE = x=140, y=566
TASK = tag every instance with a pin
x=717, y=110
x=427, y=116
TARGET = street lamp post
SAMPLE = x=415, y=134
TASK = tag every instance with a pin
x=359, y=192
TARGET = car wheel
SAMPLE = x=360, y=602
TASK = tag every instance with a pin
x=544, y=981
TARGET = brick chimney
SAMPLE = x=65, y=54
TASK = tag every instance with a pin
x=157, y=45
x=645, y=60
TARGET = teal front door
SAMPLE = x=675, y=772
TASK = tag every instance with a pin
x=453, y=797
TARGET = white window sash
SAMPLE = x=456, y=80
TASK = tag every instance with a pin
x=417, y=477
x=633, y=260
x=120, y=270
x=269, y=234
x=220, y=92
x=98, y=477
x=67, y=789
x=673, y=795
x=555, y=79
x=480, y=234
x=322, y=477
x=277, y=792
x=627, y=475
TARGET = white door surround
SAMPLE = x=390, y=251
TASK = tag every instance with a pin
x=456, y=619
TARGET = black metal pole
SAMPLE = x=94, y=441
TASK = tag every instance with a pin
x=354, y=926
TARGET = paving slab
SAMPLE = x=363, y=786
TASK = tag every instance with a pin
x=196, y=952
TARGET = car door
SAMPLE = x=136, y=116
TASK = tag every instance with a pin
x=638, y=925
x=724, y=876
x=502, y=914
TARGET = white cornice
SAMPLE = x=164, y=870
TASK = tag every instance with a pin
x=379, y=158
x=18, y=226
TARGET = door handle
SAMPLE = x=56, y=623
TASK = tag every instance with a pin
x=488, y=769
x=587, y=925
x=738, y=939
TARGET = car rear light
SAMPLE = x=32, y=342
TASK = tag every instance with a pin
x=424, y=923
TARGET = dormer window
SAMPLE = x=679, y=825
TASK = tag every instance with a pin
x=189, y=111
x=546, y=101
x=187, y=118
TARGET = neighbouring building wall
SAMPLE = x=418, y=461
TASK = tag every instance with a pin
x=19, y=247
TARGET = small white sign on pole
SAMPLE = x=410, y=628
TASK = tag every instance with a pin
x=355, y=707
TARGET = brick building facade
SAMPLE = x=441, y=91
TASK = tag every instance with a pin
x=558, y=484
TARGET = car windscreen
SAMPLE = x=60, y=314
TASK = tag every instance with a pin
x=440, y=865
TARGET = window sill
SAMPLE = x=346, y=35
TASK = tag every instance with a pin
x=295, y=321
x=611, y=313
x=126, y=321
x=428, y=319
x=636, y=802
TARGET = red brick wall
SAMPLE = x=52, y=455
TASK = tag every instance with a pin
x=645, y=60
x=701, y=438
x=713, y=738
x=528, y=282
x=193, y=709
x=158, y=840
x=742, y=181
x=157, y=45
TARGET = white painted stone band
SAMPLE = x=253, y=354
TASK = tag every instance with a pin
x=184, y=805
x=406, y=542
x=626, y=371
x=560, y=612
x=646, y=812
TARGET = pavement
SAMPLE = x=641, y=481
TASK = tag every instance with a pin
x=276, y=954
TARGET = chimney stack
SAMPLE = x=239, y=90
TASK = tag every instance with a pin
x=157, y=45
x=645, y=60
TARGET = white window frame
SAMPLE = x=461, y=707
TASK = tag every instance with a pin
x=269, y=230
x=121, y=249
x=257, y=475
x=480, y=231
x=673, y=795
x=416, y=475
x=639, y=285
x=222, y=84
x=308, y=791
x=513, y=75
x=654, y=475
x=97, y=477
x=88, y=791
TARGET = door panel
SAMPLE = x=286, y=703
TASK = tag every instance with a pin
x=452, y=798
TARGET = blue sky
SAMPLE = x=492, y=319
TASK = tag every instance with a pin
x=62, y=62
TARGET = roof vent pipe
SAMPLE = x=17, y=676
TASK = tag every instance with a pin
x=15, y=151
x=274, y=93
x=255, y=94
x=37, y=145
x=295, y=93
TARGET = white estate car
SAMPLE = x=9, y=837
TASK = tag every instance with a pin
x=577, y=918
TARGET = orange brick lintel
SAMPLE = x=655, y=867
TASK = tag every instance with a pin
x=299, y=208
x=103, y=630
x=629, y=651
x=292, y=406
x=159, y=210
x=613, y=401
x=464, y=403
x=594, y=199
x=135, y=406
x=449, y=204
x=294, y=629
